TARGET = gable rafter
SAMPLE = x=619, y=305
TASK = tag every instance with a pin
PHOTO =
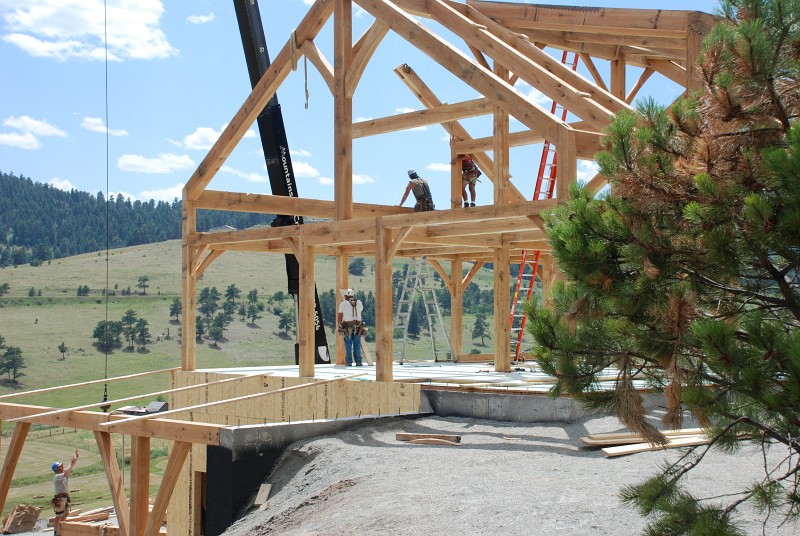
x=464, y=68
x=534, y=74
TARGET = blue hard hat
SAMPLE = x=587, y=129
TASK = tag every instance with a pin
x=411, y=172
x=55, y=465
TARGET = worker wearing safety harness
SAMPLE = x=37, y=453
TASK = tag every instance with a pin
x=348, y=319
x=422, y=192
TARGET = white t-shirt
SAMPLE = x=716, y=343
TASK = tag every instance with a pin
x=351, y=312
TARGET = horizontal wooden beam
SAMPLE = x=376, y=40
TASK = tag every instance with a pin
x=173, y=430
x=295, y=206
x=621, y=21
x=420, y=118
x=90, y=382
x=587, y=143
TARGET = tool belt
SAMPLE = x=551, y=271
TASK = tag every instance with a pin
x=60, y=503
x=351, y=327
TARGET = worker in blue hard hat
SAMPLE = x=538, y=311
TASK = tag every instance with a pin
x=61, y=500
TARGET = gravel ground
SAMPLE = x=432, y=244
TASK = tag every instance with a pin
x=507, y=478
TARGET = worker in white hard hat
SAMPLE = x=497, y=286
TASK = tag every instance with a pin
x=422, y=192
x=348, y=318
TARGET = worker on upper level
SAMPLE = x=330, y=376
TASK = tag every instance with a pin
x=422, y=192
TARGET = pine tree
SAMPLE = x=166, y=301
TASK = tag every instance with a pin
x=686, y=275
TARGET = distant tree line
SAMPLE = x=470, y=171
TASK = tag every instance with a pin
x=39, y=222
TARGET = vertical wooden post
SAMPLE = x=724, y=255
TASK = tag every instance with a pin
x=501, y=146
x=343, y=109
x=694, y=41
x=12, y=457
x=455, y=177
x=106, y=448
x=342, y=282
x=567, y=168
x=189, y=287
x=383, y=303
x=502, y=306
x=306, y=315
x=140, y=484
x=342, y=138
x=618, y=79
x=456, y=310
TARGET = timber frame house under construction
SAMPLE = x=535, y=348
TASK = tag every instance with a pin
x=506, y=41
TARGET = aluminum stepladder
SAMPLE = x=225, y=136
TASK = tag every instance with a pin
x=544, y=189
x=419, y=279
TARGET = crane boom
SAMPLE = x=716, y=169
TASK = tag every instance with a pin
x=276, y=152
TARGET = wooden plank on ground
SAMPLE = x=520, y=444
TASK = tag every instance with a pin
x=627, y=438
x=434, y=441
x=407, y=436
x=685, y=441
x=263, y=494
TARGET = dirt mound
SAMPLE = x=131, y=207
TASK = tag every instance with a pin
x=507, y=478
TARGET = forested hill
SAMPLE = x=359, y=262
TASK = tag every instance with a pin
x=39, y=222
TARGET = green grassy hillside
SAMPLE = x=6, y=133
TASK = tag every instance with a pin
x=39, y=324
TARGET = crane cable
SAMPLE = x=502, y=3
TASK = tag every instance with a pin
x=108, y=245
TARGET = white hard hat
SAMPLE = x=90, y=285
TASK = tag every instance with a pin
x=348, y=292
x=411, y=172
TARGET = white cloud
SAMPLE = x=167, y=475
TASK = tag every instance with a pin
x=20, y=140
x=163, y=163
x=362, y=179
x=357, y=179
x=250, y=177
x=361, y=119
x=303, y=170
x=200, y=19
x=30, y=132
x=203, y=138
x=164, y=194
x=75, y=29
x=62, y=184
x=438, y=166
x=34, y=126
x=299, y=152
x=587, y=169
x=96, y=124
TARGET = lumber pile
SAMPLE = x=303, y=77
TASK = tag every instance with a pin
x=623, y=443
x=21, y=519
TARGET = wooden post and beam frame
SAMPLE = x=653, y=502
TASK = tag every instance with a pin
x=512, y=36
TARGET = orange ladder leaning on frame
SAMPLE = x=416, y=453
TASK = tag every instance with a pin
x=528, y=267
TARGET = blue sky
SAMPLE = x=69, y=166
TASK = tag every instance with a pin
x=176, y=77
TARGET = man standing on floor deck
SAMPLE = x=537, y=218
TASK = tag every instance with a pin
x=60, y=500
x=348, y=319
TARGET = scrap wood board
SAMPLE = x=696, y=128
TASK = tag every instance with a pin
x=625, y=438
x=407, y=436
x=675, y=442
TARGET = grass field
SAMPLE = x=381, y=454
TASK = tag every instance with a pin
x=39, y=324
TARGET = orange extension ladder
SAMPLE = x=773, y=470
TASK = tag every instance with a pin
x=528, y=267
